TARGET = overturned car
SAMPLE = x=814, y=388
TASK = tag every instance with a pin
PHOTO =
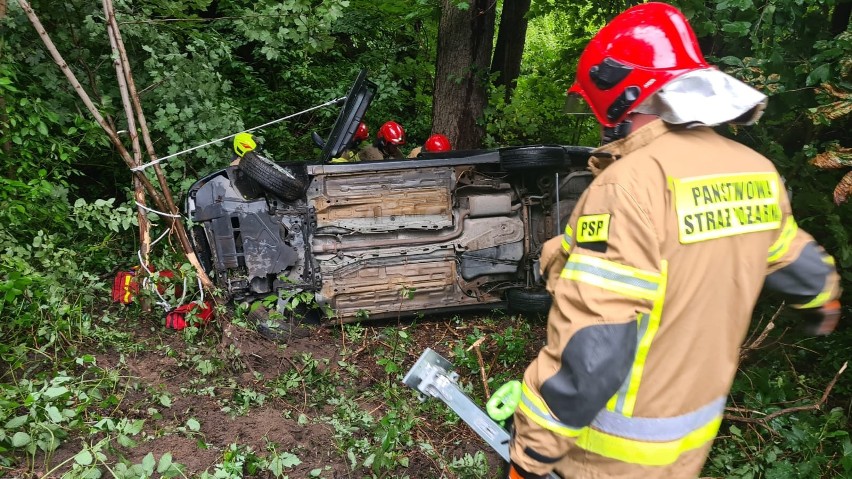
x=457, y=230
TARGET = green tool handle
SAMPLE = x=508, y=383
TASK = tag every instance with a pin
x=502, y=404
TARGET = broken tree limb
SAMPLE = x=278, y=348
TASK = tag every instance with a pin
x=764, y=421
x=483, y=376
x=172, y=219
x=113, y=136
x=751, y=345
x=177, y=226
x=138, y=190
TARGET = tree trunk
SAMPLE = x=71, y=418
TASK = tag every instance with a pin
x=840, y=16
x=7, y=145
x=461, y=72
x=510, y=44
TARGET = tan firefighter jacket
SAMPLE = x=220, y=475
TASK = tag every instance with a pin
x=654, y=283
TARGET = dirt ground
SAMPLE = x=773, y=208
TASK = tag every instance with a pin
x=163, y=381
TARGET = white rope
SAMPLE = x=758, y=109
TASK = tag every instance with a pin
x=152, y=163
x=157, y=212
x=162, y=302
x=167, y=231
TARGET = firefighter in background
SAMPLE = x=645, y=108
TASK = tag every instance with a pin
x=658, y=271
x=434, y=144
x=389, y=138
x=350, y=154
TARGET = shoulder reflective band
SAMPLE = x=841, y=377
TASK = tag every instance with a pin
x=710, y=207
x=567, y=238
x=592, y=228
x=785, y=239
x=625, y=280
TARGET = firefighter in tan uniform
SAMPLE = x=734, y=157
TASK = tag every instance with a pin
x=660, y=266
x=389, y=138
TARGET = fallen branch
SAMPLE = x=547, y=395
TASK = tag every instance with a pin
x=87, y=101
x=764, y=421
x=138, y=190
x=475, y=346
x=128, y=89
x=177, y=226
x=755, y=344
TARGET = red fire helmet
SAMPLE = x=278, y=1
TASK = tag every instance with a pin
x=634, y=56
x=437, y=142
x=392, y=133
x=362, y=133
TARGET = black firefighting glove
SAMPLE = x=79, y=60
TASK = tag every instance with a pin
x=821, y=321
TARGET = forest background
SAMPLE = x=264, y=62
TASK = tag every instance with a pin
x=206, y=69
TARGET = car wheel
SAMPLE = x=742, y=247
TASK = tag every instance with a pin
x=273, y=177
x=527, y=158
x=535, y=300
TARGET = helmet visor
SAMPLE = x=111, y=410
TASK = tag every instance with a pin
x=575, y=104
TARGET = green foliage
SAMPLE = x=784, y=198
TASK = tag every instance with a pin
x=536, y=112
x=240, y=461
x=40, y=414
x=504, y=345
x=803, y=442
x=55, y=244
x=785, y=50
x=207, y=69
x=474, y=466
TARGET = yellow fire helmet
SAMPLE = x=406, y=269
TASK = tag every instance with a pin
x=244, y=143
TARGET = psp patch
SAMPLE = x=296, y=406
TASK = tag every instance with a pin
x=593, y=232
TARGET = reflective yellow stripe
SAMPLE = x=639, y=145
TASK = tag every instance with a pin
x=644, y=452
x=617, y=400
x=567, y=238
x=127, y=281
x=785, y=239
x=610, y=405
x=534, y=408
x=645, y=344
x=820, y=300
x=630, y=439
x=625, y=280
x=824, y=296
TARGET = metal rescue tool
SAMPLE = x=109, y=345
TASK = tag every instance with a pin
x=432, y=375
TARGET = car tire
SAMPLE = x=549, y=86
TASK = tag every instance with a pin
x=535, y=300
x=278, y=179
x=526, y=158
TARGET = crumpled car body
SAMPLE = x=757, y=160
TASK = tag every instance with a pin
x=454, y=231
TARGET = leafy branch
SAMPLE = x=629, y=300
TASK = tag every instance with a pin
x=764, y=421
x=164, y=201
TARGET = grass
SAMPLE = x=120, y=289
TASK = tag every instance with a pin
x=127, y=398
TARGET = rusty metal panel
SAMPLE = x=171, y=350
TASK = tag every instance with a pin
x=377, y=288
x=394, y=200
